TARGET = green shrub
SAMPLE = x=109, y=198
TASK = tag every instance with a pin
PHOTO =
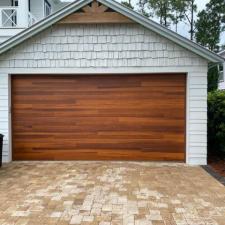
x=216, y=124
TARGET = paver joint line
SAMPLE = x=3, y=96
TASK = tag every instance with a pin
x=109, y=193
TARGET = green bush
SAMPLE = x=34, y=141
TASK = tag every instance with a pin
x=216, y=123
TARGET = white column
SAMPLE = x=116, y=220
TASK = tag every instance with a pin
x=197, y=117
x=5, y=116
x=0, y=18
x=22, y=13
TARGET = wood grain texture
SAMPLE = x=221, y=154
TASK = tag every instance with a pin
x=96, y=13
x=95, y=18
x=99, y=117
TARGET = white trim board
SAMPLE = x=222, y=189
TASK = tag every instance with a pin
x=125, y=70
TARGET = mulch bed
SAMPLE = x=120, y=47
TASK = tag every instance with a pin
x=216, y=167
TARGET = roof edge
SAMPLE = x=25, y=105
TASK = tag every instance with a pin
x=221, y=52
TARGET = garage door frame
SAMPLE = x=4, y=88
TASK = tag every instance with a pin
x=185, y=96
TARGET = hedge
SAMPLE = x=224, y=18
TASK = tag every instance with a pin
x=216, y=123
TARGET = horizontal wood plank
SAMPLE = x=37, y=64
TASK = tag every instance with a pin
x=95, y=18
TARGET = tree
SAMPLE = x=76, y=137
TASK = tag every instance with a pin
x=218, y=8
x=178, y=7
x=127, y=4
x=162, y=9
x=143, y=5
x=189, y=12
x=210, y=25
x=208, y=30
x=170, y=11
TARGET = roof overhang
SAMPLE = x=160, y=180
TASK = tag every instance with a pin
x=221, y=53
x=59, y=1
x=140, y=19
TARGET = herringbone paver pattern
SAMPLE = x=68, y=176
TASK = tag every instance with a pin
x=109, y=193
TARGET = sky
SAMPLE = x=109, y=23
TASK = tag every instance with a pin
x=201, y=4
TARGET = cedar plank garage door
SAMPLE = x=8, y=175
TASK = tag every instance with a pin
x=99, y=117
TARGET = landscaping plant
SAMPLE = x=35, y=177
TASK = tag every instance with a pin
x=216, y=124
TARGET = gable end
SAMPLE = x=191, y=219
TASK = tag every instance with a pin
x=95, y=13
x=120, y=9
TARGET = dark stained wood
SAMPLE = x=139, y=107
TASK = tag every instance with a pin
x=99, y=117
x=96, y=13
x=91, y=18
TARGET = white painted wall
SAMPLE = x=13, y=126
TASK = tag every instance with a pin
x=57, y=6
x=37, y=8
x=221, y=85
x=91, y=49
x=5, y=3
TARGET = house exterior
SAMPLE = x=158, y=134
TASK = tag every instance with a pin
x=221, y=85
x=17, y=15
x=98, y=81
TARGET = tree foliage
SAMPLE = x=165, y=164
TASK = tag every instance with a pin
x=217, y=8
x=143, y=8
x=170, y=11
x=127, y=4
x=163, y=9
x=179, y=7
x=189, y=12
x=208, y=30
x=210, y=24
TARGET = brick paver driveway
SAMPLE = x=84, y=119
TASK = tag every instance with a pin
x=109, y=193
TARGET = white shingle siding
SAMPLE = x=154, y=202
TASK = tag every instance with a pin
x=99, y=46
x=117, y=49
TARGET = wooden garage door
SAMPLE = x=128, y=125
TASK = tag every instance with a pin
x=99, y=117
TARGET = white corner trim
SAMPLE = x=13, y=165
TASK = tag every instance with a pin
x=187, y=117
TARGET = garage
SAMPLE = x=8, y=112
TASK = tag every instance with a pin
x=98, y=81
x=99, y=117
